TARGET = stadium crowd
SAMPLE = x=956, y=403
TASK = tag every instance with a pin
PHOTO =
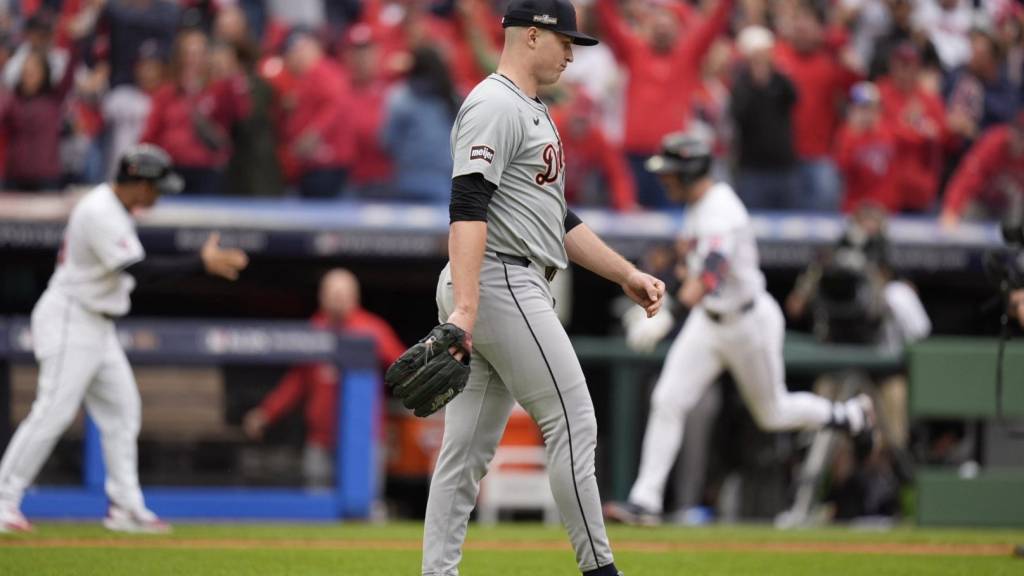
x=814, y=104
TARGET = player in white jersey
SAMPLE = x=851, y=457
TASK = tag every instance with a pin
x=76, y=345
x=733, y=324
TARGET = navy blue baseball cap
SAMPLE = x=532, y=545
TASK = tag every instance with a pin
x=150, y=163
x=555, y=15
x=683, y=153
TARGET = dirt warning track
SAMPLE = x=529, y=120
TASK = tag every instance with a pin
x=885, y=548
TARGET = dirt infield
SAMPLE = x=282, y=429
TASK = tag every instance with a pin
x=887, y=548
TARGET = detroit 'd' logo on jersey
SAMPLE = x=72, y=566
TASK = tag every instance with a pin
x=554, y=164
x=485, y=153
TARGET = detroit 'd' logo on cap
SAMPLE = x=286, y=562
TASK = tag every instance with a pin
x=485, y=153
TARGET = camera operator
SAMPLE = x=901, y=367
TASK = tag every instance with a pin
x=852, y=294
x=853, y=297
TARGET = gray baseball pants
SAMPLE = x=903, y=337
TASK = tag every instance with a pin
x=521, y=353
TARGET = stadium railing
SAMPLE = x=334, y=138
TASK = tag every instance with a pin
x=335, y=228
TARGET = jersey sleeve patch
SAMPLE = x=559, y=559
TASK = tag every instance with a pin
x=481, y=152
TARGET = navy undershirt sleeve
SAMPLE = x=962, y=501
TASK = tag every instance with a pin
x=164, y=268
x=471, y=195
x=571, y=220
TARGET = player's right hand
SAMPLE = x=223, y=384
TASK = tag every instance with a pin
x=223, y=262
x=645, y=290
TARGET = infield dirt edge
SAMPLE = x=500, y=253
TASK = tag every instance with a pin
x=885, y=548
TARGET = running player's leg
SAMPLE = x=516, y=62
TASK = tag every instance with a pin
x=473, y=424
x=114, y=404
x=691, y=366
x=539, y=366
x=755, y=360
x=63, y=379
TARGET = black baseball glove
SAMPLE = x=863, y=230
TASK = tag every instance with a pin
x=427, y=376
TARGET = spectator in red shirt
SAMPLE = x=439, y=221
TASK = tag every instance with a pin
x=404, y=26
x=991, y=176
x=31, y=124
x=371, y=167
x=812, y=62
x=6, y=97
x=315, y=386
x=596, y=171
x=866, y=153
x=664, y=73
x=191, y=117
x=317, y=136
x=917, y=119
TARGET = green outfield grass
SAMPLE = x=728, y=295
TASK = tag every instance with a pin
x=517, y=549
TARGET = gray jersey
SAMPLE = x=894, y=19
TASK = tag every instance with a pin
x=510, y=139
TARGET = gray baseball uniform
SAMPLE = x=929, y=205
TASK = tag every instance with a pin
x=520, y=350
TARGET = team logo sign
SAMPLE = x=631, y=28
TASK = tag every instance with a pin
x=485, y=153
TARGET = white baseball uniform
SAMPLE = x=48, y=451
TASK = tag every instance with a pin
x=738, y=326
x=79, y=355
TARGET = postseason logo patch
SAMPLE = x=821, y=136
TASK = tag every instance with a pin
x=485, y=153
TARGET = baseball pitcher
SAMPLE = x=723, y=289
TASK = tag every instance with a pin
x=510, y=234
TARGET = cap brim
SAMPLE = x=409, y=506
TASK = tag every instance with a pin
x=579, y=38
x=172, y=183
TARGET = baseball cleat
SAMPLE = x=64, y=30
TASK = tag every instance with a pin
x=142, y=521
x=13, y=521
x=631, y=514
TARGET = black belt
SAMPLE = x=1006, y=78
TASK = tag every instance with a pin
x=717, y=317
x=549, y=272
